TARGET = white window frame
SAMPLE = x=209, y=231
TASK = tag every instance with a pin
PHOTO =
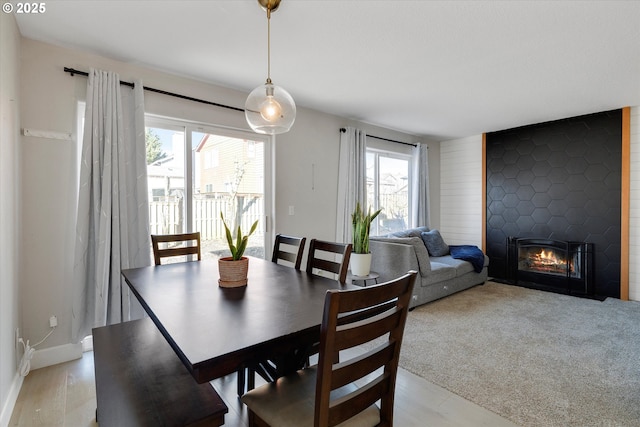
x=395, y=151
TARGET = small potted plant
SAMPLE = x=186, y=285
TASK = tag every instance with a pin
x=361, y=257
x=234, y=269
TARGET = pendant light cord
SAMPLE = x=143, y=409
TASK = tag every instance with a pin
x=269, y=45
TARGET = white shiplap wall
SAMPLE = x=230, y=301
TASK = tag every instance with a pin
x=634, y=208
x=461, y=191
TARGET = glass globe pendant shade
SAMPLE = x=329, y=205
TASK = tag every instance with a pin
x=270, y=109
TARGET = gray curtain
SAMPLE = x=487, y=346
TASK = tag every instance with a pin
x=420, y=194
x=112, y=230
x=352, y=179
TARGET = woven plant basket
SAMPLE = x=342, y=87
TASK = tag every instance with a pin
x=233, y=274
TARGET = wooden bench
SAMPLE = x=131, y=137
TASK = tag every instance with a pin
x=140, y=381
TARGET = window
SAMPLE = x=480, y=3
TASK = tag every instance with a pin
x=389, y=188
x=211, y=158
x=197, y=172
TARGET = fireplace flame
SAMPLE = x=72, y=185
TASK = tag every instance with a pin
x=548, y=258
x=548, y=261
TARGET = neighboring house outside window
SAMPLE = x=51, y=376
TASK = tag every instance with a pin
x=389, y=188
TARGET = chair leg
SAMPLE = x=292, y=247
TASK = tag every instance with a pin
x=251, y=379
x=241, y=381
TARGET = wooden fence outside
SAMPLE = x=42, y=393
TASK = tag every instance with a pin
x=167, y=216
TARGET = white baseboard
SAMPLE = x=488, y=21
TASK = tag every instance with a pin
x=54, y=355
x=10, y=403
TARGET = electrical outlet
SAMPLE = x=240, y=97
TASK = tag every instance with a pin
x=53, y=321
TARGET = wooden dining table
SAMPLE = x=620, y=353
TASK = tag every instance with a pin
x=216, y=331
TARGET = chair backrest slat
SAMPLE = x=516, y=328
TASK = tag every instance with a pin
x=348, y=372
x=171, y=251
x=378, y=314
x=315, y=261
x=366, y=330
x=362, y=398
x=279, y=252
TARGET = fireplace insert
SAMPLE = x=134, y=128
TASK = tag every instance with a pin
x=551, y=265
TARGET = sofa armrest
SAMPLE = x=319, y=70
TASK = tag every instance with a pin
x=393, y=257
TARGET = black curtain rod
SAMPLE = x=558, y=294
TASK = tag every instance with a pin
x=343, y=130
x=163, y=92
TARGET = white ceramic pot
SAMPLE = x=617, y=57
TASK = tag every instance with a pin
x=360, y=264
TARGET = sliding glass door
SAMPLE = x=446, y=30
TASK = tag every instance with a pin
x=197, y=173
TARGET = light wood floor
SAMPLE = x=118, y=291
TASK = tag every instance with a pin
x=64, y=395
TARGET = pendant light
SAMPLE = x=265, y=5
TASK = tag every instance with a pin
x=270, y=109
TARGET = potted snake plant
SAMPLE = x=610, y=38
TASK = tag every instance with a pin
x=235, y=268
x=361, y=256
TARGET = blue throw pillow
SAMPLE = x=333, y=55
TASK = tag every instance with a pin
x=434, y=243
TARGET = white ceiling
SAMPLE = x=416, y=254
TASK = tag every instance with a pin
x=441, y=69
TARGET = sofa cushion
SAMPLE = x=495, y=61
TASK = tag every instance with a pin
x=461, y=266
x=435, y=243
x=439, y=273
x=411, y=232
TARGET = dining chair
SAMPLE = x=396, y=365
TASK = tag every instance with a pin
x=289, y=249
x=317, y=258
x=294, y=244
x=326, y=395
x=176, y=245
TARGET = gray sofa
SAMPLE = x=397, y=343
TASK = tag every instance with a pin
x=439, y=276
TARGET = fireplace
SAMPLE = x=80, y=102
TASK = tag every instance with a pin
x=559, y=180
x=552, y=265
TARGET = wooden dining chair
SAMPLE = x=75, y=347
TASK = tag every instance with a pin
x=176, y=245
x=326, y=395
x=288, y=249
x=317, y=258
x=294, y=244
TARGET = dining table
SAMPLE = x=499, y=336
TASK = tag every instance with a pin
x=216, y=331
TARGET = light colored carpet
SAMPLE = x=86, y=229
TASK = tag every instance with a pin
x=536, y=358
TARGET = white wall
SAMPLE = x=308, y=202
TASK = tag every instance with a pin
x=461, y=191
x=634, y=208
x=10, y=166
x=48, y=199
x=306, y=169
